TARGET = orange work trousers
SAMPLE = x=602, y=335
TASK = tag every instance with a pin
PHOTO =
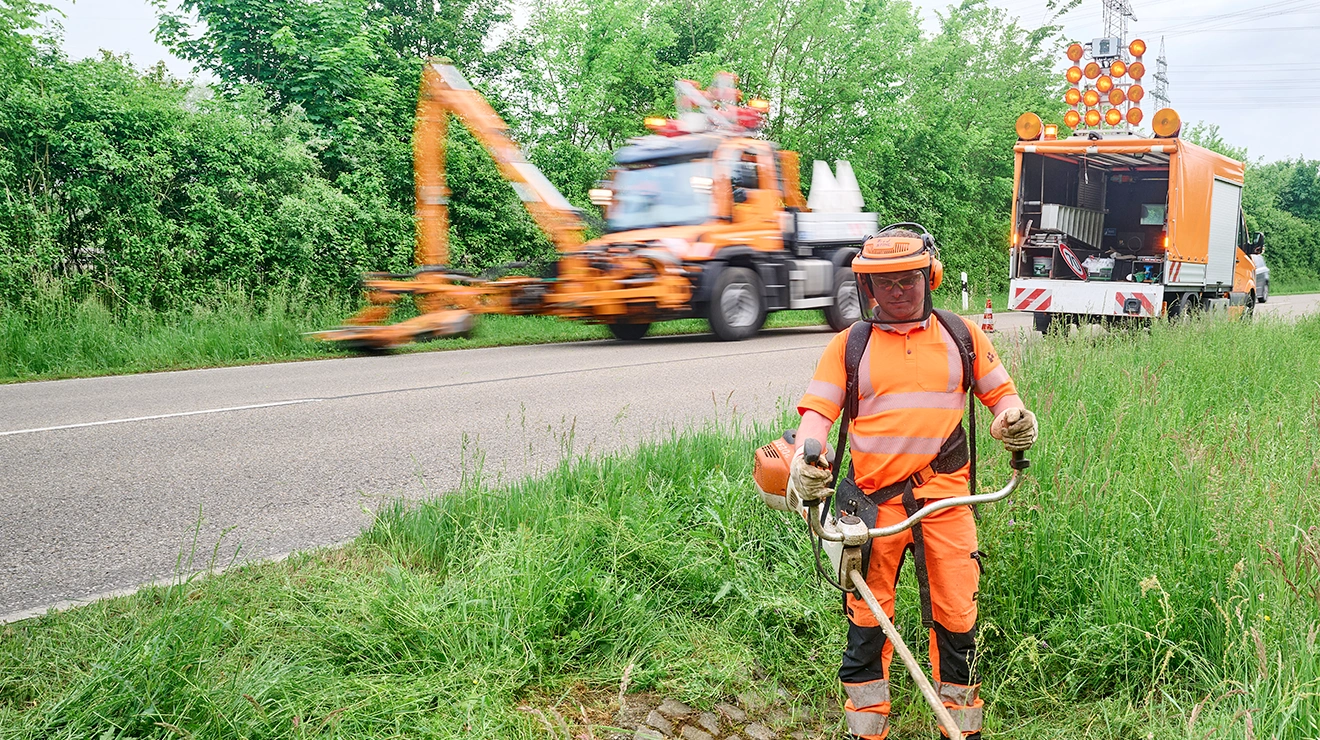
x=954, y=570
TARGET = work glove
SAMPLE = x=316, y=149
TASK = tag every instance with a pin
x=808, y=481
x=1016, y=428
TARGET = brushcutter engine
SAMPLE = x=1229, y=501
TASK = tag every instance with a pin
x=770, y=470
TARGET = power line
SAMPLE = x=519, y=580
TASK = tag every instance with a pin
x=1230, y=65
x=1268, y=10
x=1276, y=29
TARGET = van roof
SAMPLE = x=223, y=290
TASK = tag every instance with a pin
x=1132, y=151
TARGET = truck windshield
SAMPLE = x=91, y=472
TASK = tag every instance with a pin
x=665, y=195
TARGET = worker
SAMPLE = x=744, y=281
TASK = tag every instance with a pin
x=908, y=445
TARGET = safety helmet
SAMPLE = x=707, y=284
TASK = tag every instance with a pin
x=894, y=250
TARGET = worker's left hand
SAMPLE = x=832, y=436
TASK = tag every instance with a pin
x=1016, y=428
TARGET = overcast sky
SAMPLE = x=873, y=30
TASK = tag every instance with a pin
x=1248, y=66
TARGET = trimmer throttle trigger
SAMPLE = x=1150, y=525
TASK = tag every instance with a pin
x=811, y=451
x=1019, y=460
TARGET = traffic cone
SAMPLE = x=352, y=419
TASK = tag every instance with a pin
x=988, y=319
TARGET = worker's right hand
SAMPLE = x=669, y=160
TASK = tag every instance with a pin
x=809, y=481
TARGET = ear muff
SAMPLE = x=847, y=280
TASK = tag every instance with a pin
x=936, y=273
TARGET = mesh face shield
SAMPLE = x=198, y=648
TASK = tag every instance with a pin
x=892, y=304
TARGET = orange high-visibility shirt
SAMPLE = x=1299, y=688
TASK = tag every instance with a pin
x=911, y=400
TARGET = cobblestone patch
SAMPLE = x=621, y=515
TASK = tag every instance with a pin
x=766, y=714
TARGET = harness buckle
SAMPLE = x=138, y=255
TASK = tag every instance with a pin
x=923, y=476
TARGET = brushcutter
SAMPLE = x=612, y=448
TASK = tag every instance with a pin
x=843, y=537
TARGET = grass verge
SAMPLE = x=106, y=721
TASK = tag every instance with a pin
x=1284, y=286
x=1158, y=577
x=54, y=336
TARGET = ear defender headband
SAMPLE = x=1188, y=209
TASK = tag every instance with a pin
x=928, y=242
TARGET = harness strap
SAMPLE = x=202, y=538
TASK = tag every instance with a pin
x=910, y=507
x=962, y=336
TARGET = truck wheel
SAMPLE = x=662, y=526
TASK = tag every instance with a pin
x=629, y=332
x=737, y=304
x=847, y=307
x=1043, y=321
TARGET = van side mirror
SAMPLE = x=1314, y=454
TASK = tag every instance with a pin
x=1258, y=243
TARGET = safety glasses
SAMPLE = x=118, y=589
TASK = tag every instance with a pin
x=886, y=285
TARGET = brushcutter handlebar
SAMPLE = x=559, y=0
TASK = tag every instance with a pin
x=817, y=454
x=1018, y=462
x=811, y=449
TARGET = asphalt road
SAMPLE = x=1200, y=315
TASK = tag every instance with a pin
x=107, y=480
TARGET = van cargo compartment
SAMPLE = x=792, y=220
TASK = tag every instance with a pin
x=1081, y=224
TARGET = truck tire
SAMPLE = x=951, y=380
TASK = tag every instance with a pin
x=847, y=307
x=1043, y=321
x=737, y=304
x=629, y=332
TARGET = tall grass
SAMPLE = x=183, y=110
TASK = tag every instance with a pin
x=55, y=335
x=1159, y=576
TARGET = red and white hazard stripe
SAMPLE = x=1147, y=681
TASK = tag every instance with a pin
x=1031, y=299
x=1147, y=308
x=1174, y=269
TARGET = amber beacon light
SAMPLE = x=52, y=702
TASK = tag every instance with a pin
x=1028, y=127
x=1166, y=123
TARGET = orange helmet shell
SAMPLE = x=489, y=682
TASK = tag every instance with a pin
x=892, y=254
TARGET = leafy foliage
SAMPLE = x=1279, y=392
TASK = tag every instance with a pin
x=925, y=121
x=296, y=165
x=130, y=184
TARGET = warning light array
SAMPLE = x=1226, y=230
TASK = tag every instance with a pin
x=1111, y=81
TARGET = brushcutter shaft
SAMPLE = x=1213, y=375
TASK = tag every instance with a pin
x=832, y=534
x=948, y=503
x=951, y=728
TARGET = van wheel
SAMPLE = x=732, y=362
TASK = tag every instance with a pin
x=1264, y=293
x=847, y=307
x=1189, y=306
x=1043, y=321
x=629, y=332
x=737, y=305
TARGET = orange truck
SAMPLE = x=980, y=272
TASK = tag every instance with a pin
x=703, y=219
x=727, y=206
x=1113, y=223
